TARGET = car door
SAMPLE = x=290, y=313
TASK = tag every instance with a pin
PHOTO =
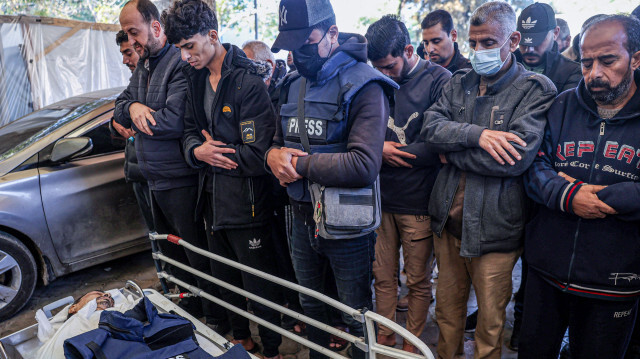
x=89, y=208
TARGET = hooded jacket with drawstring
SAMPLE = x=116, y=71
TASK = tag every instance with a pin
x=243, y=119
x=587, y=257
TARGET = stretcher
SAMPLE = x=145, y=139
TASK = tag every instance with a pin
x=24, y=340
x=23, y=343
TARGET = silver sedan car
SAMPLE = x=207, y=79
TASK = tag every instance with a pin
x=64, y=202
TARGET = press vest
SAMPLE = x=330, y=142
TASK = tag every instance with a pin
x=326, y=115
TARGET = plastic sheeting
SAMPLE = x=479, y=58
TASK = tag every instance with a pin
x=43, y=62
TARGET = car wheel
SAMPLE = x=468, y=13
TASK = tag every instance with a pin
x=18, y=274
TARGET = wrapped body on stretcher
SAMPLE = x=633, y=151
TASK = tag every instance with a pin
x=108, y=324
x=85, y=316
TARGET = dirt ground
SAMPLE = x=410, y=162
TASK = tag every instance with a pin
x=139, y=267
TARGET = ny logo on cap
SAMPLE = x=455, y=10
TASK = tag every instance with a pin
x=283, y=16
x=528, y=40
x=528, y=24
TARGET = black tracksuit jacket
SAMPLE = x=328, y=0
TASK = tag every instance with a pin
x=244, y=119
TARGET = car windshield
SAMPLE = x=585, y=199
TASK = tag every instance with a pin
x=27, y=130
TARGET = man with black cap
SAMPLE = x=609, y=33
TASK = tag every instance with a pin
x=538, y=50
x=346, y=110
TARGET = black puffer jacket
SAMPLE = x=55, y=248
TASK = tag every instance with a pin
x=159, y=156
x=244, y=119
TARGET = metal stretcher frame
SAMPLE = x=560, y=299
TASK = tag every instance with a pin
x=368, y=318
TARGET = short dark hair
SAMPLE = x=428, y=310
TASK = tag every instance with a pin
x=631, y=26
x=441, y=17
x=146, y=8
x=325, y=25
x=185, y=18
x=387, y=36
x=121, y=37
x=636, y=12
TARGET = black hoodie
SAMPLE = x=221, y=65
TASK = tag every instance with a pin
x=589, y=257
x=243, y=118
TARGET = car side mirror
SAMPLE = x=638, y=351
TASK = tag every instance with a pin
x=68, y=148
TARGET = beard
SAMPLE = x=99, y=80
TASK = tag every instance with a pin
x=405, y=68
x=611, y=95
x=152, y=47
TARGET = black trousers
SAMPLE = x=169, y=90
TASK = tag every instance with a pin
x=597, y=328
x=174, y=213
x=253, y=247
x=143, y=196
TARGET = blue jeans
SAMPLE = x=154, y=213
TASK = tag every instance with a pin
x=351, y=263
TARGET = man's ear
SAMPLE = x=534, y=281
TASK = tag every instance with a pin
x=333, y=34
x=73, y=309
x=635, y=61
x=515, y=38
x=409, y=51
x=156, y=28
x=213, y=36
x=454, y=35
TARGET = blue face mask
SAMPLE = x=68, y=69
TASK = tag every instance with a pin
x=487, y=62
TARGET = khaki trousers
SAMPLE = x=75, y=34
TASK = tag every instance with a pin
x=491, y=277
x=413, y=233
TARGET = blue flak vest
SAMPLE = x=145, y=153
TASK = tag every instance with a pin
x=145, y=334
x=327, y=103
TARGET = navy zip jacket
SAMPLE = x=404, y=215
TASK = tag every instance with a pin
x=407, y=190
x=164, y=90
x=589, y=257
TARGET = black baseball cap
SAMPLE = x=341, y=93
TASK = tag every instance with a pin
x=296, y=21
x=535, y=22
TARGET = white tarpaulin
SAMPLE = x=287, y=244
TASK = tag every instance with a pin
x=45, y=60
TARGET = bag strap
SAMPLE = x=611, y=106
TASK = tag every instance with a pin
x=96, y=350
x=302, y=124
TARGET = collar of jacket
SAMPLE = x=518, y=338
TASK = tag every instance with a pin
x=352, y=49
x=472, y=79
x=161, y=52
x=456, y=55
x=630, y=111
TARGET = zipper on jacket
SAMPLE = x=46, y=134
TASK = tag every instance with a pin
x=251, y=198
x=575, y=237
